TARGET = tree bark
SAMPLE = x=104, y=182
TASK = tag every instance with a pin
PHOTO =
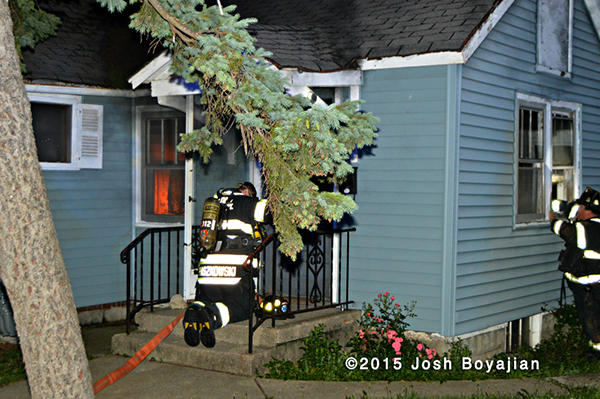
x=31, y=263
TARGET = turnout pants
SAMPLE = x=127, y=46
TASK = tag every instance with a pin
x=587, y=302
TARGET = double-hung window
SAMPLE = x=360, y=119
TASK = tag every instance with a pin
x=163, y=172
x=68, y=134
x=547, y=155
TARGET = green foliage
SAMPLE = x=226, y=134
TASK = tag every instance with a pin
x=31, y=25
x=12, y=368
x=383, y=352
x=322, y=360
x=381, y=337
x=563, y=352
x=293, y=140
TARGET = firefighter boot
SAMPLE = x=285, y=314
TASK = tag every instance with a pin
x=191, y=325
x=207, y=327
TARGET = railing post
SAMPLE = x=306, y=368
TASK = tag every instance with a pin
x=250, y=312
x=128, y=293
x=152, y=272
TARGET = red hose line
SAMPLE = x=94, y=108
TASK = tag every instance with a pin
x=137, y=358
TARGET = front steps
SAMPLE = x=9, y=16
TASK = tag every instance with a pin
x=230, y=354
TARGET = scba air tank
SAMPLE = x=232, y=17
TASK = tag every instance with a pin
x=208, y=226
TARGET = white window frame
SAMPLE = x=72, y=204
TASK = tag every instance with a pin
x=547, y=39
x=138, y=167
x=86, y=132
x=548, y=106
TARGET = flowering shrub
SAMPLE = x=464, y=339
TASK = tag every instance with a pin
x=379, y=351
x=382, y=336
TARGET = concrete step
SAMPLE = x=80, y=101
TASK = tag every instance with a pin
x=224, y=357
x=230, y=353
x=286, y=330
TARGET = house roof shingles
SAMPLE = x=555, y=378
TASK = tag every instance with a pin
x=94, y=47
x=328, y=35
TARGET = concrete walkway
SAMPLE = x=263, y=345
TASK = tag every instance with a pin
x=153, y=379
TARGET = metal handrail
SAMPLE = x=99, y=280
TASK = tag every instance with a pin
x=313, y=286
x=125, y=257
x=125, y=253
x=275, y=268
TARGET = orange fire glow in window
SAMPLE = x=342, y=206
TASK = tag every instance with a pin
x=168, y=192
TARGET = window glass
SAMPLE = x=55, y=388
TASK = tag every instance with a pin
x=164, y=175
x=165, y=190
x=546, y=157
x=52, y=131
x=530, y=203
x=562, y=140
x=563, y=157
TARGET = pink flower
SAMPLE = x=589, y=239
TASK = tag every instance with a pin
x=379, y=319
x=430, y=353
x=391, y=334
x=434, y=352
x=392, y=298
x=386, y=293
x=368, y=313
x=397, y=345
x=397, y=304
x=420, y=347
x=361, y=334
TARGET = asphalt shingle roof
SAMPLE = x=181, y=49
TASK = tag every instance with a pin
x=92, y=47
x=327, y=35
x=96, y=48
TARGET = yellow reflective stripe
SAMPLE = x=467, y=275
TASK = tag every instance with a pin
x=556, y=227
x=259, y=210
x=223, y=312
x=589, y=254
x=555, y=204
x=581, y=241
x=236, y=224
x=585, y=280
x=218, y=280
x=224, y=259
x=574, y=211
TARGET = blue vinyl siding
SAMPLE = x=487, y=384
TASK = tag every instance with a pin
x=398, y=245
x=504, y=273
x=91, y=210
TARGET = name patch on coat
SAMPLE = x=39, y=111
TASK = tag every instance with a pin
x=218, y=271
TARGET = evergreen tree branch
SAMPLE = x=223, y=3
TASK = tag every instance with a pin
x=294, y=141
x=179, y=28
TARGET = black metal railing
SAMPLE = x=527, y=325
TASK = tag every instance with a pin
x=155, y=265
x=312, y=282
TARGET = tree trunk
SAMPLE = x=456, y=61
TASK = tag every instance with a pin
x=31, y=263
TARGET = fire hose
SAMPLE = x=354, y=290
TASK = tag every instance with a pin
x=137, y=358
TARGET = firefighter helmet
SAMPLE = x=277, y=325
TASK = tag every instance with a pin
x=274, y=304
x=591, y=199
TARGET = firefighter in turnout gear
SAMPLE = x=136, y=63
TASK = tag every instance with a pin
x=580, y=260
x=222, y=289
